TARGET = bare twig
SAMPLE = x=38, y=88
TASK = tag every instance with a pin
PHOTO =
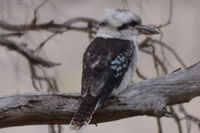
x=55, y=128
x=170, y=49
x=125, y=4
x=140, y=75
x=35, y=78
x=189, y=117
x=155, y=57
x=177, y=120
x=17, y=34
x=81, y=19
x=44, y=42
x=170, y=16
x=27, y=53
x=36, y=11
x=51, y=26
x=159, y=125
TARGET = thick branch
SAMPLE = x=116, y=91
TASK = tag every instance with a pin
x=144, y=98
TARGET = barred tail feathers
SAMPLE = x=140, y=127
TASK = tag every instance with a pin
x=84, y=114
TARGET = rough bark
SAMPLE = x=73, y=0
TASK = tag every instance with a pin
x=148, y=97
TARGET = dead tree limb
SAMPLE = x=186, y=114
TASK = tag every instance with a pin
x=26, y=52
x=51, y=26
x=149, y=97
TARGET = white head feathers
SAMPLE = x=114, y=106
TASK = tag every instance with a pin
x=123, y=24
x=117, y=17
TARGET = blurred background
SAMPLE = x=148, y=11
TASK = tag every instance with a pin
x=67, y=48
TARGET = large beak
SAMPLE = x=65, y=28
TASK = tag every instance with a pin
x=146, y=30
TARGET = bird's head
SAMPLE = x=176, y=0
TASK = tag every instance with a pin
x=123, y=24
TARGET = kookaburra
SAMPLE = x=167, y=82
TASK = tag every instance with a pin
x=109, y=62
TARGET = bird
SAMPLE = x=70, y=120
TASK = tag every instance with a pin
x=109, y=62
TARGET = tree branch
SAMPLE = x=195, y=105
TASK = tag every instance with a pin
x=51, y=26
x=148, y=97
x=27, y=53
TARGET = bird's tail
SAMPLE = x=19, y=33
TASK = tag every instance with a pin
x=84, y=114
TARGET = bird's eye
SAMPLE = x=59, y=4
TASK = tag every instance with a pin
x=103, y=24
x=122, y=27
x=133, y=23
x=126, y=25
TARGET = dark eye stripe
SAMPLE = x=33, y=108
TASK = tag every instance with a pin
x=125, y=26
x=103, y=24
x=133, y=23
x=122, y=27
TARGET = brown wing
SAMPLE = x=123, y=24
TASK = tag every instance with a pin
x=104, y=64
